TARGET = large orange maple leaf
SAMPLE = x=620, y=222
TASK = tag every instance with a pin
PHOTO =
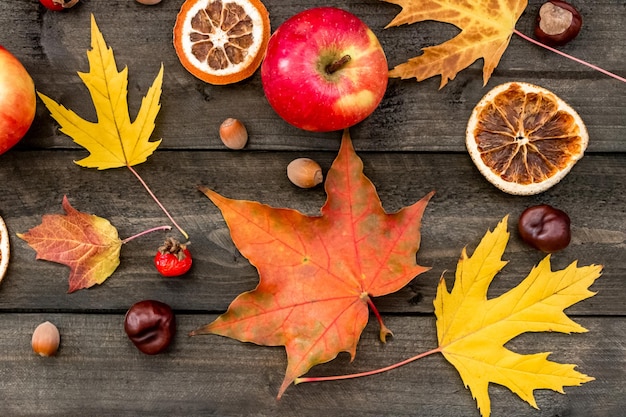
x=317, y=273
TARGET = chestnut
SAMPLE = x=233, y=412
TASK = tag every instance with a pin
x=558, y=22
x=150, y=325
x=545, y=228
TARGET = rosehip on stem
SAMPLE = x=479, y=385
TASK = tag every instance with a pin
x=58, y=5
x=173, y=258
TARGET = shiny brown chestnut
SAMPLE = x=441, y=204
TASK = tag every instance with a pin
x=545, y=228
x=558, y=22
x=150, y=325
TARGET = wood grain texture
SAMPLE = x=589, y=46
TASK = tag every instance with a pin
x=412, y=144
x=464, y=207
x=412, y=116
x=97, y=371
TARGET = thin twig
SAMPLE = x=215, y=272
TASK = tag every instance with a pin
x=145, y=232
x=158, y=202
x=367, y=373
x=580, y=61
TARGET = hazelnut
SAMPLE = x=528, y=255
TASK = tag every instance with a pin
x=304, y=172
x=558, y=22
x=233, y=134
x=46, y=339
x=545, y=228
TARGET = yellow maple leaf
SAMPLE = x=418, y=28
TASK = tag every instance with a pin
x=486, y=29
x=472, y=329
x=113, y=141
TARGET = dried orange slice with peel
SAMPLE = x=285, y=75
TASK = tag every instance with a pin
x=524, y=139
x=221, y=41
x=4, y=249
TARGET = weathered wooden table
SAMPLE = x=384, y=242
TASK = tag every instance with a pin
x=412, y=144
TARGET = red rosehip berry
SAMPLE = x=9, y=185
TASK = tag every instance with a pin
x=173, y=258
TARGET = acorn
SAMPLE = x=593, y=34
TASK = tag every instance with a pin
x=304, y=172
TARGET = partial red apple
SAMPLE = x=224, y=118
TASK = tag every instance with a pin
x=17, y=100
x=324, y=70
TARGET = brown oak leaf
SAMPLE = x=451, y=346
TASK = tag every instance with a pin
x=318, y=273
x=88, y=244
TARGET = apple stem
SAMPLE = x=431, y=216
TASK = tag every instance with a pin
x=367, y=373
x=580, y=61
x=145, y=232
x=338, y=64
x=157, y=201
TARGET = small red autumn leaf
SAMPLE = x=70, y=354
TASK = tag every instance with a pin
x=317, y=273
x=88, y=244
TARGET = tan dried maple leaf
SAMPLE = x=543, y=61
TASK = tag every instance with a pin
x=486, y=29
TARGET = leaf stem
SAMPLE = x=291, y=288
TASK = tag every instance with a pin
x=580, y=61
x=145, y=232
x=157, y=201
x=367, y=373
x=384, y=330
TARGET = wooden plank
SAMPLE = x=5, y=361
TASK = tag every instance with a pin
x=98, y=372
x=412, y=117
x=464, y=207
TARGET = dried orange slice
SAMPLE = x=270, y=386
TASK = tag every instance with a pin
x=524, y=139
x=221, y=42
x=4, y=248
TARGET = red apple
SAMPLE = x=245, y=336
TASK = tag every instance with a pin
x=17, y=100
x=324, y=70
